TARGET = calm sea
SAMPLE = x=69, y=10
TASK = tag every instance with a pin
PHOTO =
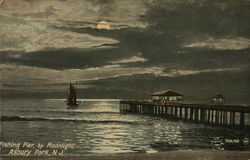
x=97, y=127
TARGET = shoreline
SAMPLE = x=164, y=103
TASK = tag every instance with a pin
x=171, y=155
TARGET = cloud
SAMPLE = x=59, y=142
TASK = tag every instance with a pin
x=28, y=25
x=222, y=44
x=13, y=75
x=175, y=73
x=132, y=59
x=126, y=12
x=34, y=36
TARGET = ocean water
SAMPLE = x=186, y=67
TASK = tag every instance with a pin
x=96, y=127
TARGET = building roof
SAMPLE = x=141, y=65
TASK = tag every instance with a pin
x=166, y=93
x=218, y=96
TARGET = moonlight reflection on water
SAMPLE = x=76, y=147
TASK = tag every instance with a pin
x=97, y=127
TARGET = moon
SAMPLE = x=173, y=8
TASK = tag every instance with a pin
x=103, y=25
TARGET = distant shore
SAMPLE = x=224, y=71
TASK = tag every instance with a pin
x=172, y=155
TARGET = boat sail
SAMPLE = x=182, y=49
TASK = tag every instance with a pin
x=72, y=96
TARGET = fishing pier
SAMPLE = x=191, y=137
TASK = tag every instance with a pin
x=216, y=114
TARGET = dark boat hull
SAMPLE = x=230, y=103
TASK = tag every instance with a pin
x=73, y=105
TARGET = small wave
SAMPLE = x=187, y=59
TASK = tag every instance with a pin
x=21, y=118
x=66, y=111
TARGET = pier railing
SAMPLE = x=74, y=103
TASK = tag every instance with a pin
x=219, y=114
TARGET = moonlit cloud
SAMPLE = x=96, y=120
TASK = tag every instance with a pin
x=175, y=73
x=222, y=44
x=28, y=25
x=133, y=59
x=76, y=10
x=27, y=76
x=35, y=36
x=13, y=75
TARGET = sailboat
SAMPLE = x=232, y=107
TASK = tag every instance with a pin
x=72, y=97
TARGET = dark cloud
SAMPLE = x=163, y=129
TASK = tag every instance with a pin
x=214, y=18
x=195, y=88
x=64, y=59
x=106, y=7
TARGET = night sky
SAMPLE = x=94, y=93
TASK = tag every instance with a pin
x=125, y=48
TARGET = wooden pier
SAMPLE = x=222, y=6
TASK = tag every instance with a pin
x=226, y=115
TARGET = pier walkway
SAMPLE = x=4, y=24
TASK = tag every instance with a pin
x=233, y=115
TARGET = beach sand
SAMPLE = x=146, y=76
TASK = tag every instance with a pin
x=175, y=155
